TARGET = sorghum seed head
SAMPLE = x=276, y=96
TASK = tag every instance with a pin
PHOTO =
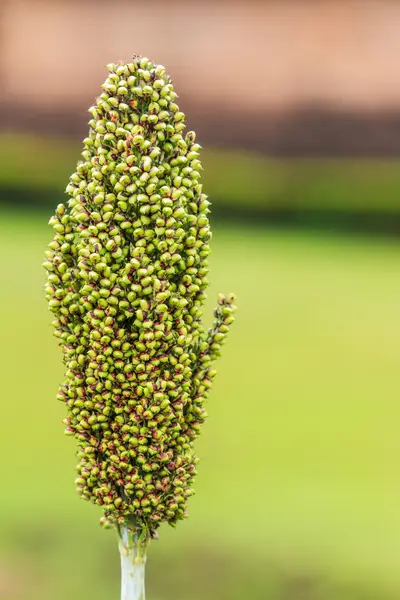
x=126, y=282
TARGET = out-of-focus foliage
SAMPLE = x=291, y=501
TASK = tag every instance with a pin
x=38, y=168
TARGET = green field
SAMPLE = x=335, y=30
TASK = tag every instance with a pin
x=298, y=496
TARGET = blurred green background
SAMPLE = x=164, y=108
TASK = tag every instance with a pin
x=298, y=493
x=299, y=486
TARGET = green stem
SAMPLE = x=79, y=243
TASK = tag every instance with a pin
x=132, y=549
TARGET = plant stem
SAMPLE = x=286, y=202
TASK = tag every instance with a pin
x=132, y=549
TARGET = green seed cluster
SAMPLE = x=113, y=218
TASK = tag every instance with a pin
x=127, y=272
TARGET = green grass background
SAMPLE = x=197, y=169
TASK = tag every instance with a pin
x=298, y=495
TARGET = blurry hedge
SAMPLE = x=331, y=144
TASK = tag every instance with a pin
x=36, y=170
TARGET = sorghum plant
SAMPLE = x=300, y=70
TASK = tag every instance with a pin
x=126, y=281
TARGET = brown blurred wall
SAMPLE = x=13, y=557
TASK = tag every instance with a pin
x=265, y=61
